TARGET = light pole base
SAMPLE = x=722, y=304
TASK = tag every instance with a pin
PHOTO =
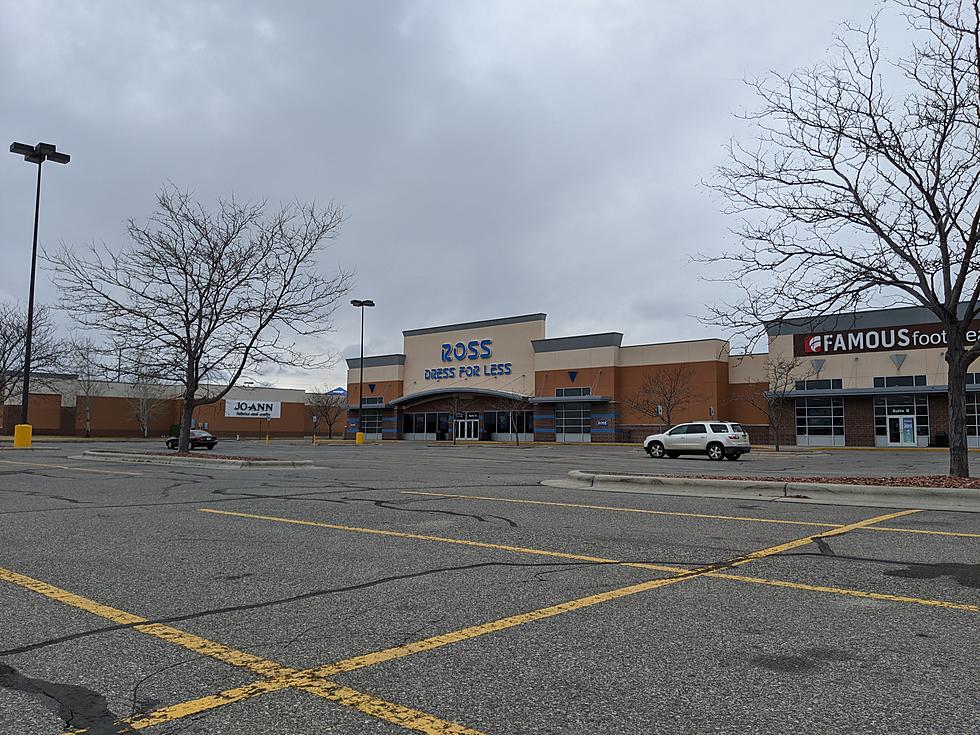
x=22, y=436
x=359, y=437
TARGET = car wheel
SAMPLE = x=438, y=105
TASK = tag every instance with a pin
x=673, y=455
x=716, y=451
x=171, y=445
x=209, y=447
x=734, y=456
x=655, y=450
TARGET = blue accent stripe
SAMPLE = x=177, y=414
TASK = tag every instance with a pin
x=600, y=430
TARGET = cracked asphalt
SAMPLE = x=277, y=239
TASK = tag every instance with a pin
x=405, y=587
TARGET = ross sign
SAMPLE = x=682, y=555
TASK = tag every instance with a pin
x=472, y=350
x=919, y=337
x=253, y=409
x=602, y=422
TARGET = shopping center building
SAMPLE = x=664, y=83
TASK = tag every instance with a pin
x=506, y=380
x=873, y=378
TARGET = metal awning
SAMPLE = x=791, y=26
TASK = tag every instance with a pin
x=456, y=390
x=572, y=399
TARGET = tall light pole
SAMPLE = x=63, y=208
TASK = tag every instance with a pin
x=34, y=154
x=360, y=381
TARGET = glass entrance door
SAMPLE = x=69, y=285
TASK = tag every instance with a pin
x=468, y=429
x=901, y=431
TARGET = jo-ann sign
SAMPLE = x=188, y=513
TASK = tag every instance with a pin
x=253, y=409
x=919, y=337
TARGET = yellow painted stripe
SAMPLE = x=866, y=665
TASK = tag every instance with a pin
x=278, y=676
x=848, y=592
x=312, y=677
x=439, y=539
x=67, y=467
x=615, y=509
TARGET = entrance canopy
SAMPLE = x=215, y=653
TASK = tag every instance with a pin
x=435, y=393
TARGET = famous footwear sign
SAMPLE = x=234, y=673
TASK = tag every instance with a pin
x=253, y=409
x=919, y=337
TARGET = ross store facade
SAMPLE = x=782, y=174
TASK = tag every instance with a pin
x=506, y=380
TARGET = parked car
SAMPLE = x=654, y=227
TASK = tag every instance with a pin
x=716, y=439
x=199, y=438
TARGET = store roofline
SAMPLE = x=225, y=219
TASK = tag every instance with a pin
x=844, y=392
x=899, y=316
x=539, y=317
x=376, y=361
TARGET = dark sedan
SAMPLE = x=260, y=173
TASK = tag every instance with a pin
x=198, y=439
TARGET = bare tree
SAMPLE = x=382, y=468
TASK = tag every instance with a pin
x=209, y=294
x=147, y=395
x=514, y=406
x=327, y=406
x=863, y=187
x=456, y=405
x=782, y=373
x=47, y=350
x=85, y=360
x=663, y=392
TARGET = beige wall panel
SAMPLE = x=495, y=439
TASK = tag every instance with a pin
x=748, y=368
x=595, y=357
x=511, y=344
x=669, y=353
x=376, y=374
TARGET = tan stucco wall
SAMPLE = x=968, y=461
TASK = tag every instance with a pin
x=376, y=374
x=671, y=353
x=747, y=368
x=511, y=343
x=859, y=370
x=596, y=357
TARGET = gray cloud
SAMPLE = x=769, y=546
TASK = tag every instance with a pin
x=494, y=158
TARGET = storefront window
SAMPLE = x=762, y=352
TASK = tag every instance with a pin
x=573, y=418
x=828, y=384
x=899, y=381
x=820, y=417
x=372, y=421
x=566, y=392
x=917, y=406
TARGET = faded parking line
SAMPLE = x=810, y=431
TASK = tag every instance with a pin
x=68, y=467
x=750, y=519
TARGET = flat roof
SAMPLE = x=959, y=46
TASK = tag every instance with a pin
x=578, y=342
x=874, y=319
x=376, y=361
x=476, y=325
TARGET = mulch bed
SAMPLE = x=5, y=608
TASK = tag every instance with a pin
x=917, y=481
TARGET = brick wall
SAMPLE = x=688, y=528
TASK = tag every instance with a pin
x=859, y=421
x=938, y=417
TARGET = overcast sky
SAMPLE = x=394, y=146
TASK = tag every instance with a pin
x=493, y=158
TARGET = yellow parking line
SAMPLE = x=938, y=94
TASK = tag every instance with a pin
x=583, y=506
x=850, y=593
x=276, y=675
x=442, y=540
x=465, y=634
x=67, y=467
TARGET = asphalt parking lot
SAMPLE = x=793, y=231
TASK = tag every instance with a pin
x=406, y=588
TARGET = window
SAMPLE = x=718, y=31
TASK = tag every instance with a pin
x=567, y=392
x=374, y=401
x=900, y=381
x=573, y=418
x=682, y=429
x=719, y=429
x=820, y=417
x=972, y=415
x=372, y=421
x=697, y=429
x=430, y=423
x=829, y=384
x=917, y=406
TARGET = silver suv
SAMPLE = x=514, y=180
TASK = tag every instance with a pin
x=717, y=439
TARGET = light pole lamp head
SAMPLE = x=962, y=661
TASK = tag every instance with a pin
x=39, y=153
x=361, y=302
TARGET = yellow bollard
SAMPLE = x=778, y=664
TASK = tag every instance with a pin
x=267, y=440
x=22, y=436
x=359, y=437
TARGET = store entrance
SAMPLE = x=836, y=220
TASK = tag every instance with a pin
x=901, y=431
x=467, y=429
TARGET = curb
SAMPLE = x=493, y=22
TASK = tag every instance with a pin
x=926, y=498
x=225, y=464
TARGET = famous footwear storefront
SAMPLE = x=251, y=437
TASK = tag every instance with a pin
x=875, y=378
x=504, y=380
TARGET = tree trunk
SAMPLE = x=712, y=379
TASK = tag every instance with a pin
x=88, y=416
x=774, y=422
x=959, y=461
x=184, y=442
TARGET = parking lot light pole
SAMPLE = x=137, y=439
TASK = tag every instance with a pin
x=33, y=154
x=361, y=303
